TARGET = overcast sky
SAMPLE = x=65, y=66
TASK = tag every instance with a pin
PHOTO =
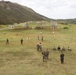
x=56, y=9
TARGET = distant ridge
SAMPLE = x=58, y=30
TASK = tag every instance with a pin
x=67, y=21
x=14, y=13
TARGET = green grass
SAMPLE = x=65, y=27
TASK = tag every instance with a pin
x=16, y=59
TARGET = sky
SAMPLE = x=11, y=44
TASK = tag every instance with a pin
x=55, y=9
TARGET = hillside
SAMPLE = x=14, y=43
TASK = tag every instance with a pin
x=14, y=13
x=67, y=21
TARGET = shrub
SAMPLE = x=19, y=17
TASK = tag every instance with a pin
x=65, y=28
x=39, y=27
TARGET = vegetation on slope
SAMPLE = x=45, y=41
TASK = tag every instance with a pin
x=14, y=13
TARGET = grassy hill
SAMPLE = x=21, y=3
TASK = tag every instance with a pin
x=17, y=59
x=14, y=13
x=67, y=21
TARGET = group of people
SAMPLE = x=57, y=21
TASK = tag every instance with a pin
x=39, y=47
x=61, y=49
x=62, y=54
x=45, y=54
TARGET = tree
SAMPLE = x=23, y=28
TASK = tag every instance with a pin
x=54, y=24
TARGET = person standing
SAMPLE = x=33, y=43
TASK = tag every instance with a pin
x=62, y=58
x=38, y=47
x=47, y=53
x=44, y=56
x=42, y=38
x=21, y=41
x=38, y=37
x=7, y=41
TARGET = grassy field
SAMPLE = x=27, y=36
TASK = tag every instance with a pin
x=17, y=59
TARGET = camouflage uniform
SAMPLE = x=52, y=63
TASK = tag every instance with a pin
x=47, y=54
x=42, y=38
x=44, y=56
x=38, y=47
x=21, y=41
x=7, y=41
x=62, y=58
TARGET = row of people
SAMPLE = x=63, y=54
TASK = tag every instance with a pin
x=63, y=48
x=39, y=48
